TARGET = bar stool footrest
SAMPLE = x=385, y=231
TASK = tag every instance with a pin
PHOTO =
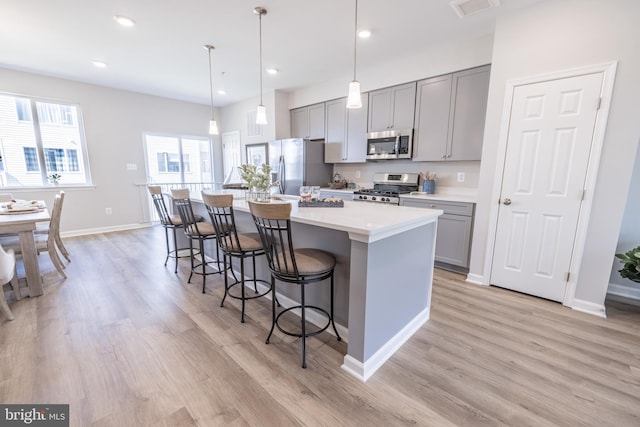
x=252, y=295
x=299, y=334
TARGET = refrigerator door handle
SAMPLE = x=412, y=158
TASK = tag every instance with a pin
x=281, y=174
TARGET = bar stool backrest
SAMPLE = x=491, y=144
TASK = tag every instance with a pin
x=182, y=202
x=220, y=208
x=160, y=205
x=273, y=221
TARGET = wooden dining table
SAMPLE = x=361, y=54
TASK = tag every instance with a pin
x=24, y=223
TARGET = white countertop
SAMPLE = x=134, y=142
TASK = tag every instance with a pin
x=335, y=190
x=365, y=222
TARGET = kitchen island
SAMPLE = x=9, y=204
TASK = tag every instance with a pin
x=383, y=276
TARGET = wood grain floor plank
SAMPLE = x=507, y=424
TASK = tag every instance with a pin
x=127, y=342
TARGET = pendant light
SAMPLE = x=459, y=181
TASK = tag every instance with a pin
x=261, y=112
x=354, y=100
x=213, y=126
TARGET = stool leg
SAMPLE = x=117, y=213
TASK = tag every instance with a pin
x=191, y=252
x=175, y=248
x=273, y=308
x=332, y=322
x=204, y=264
x=226, y=281
x=166, y=240
x=255, y=281
x=242, y=285
x=303, y=326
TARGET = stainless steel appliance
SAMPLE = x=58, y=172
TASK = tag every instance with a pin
x=296, y=162
x=387, y=187
x=391, y=144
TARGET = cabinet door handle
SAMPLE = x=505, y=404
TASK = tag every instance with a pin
x=444, y=156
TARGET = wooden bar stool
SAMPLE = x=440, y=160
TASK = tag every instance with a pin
x=303, y=266
x=234, y=245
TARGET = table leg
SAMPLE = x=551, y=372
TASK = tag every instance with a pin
x=30, y=259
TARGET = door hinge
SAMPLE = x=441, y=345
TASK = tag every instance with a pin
x=582, y=195
x=599, y=103
x=568, y=275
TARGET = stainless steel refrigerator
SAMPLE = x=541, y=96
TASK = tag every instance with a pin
x=296, y=162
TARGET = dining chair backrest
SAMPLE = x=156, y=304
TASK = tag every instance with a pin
x=220, y=208
x=273, y=221
x=54, y=224
x=160, y=205
x=7, y=275
x=6, y=197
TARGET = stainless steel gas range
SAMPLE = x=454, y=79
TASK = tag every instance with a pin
x=387, y=188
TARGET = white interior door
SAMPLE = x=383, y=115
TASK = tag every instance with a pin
x=551, y=130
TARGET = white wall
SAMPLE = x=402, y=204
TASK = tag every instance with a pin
x=556, y=35
x=114, y=122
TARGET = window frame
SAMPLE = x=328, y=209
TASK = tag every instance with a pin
x=67, y=118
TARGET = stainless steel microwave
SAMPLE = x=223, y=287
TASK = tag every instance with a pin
x=391, y=144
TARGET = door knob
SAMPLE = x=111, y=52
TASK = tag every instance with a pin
x=507, y=201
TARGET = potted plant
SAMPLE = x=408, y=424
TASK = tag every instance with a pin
x=54, y=178
x=631, y=261
x=258, y=179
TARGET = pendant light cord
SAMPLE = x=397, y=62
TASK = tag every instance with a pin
x=260, y=29
x=355, y=41
x=210, y=81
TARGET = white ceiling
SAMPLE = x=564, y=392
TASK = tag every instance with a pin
x=309, y=41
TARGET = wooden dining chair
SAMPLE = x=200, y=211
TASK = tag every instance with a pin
x=46, y=229
x=44, y=242
x=8, y=275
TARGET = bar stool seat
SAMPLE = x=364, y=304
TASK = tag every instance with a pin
x=300, y=266
x=235, y=245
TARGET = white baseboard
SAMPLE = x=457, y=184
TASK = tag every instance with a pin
x=589, y=308
x=99, y=230
x=476, y=279
x=363, y=371
x=632, y=292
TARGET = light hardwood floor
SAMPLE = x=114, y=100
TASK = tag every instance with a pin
x=126, y=342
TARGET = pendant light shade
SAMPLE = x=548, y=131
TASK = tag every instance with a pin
x=261, y=115
x=213, y=126
x=261, y=112
x=354, y=100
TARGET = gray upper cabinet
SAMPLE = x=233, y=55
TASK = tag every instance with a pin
x=392, y=108
x=346, y=132
x=308, y=122
x=450, y=116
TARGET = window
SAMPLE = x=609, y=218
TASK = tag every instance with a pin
x=178, y=159
x=31, y=159
x=39, y=137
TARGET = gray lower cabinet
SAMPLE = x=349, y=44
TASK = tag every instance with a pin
x=453, y=241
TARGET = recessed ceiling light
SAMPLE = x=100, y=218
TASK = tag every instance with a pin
x=124, y=21
x=222, y=92
x=99, y=64
x=272, y=71
x=363, y=34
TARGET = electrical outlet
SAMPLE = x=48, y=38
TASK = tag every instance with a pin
x=107, y=211
x=460, y=176
x=357, y=174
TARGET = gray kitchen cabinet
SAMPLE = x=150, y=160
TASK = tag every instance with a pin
x=453, y=241
x=450, y=116
x=392, y=108
x=308, y=122
x=346, y=132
